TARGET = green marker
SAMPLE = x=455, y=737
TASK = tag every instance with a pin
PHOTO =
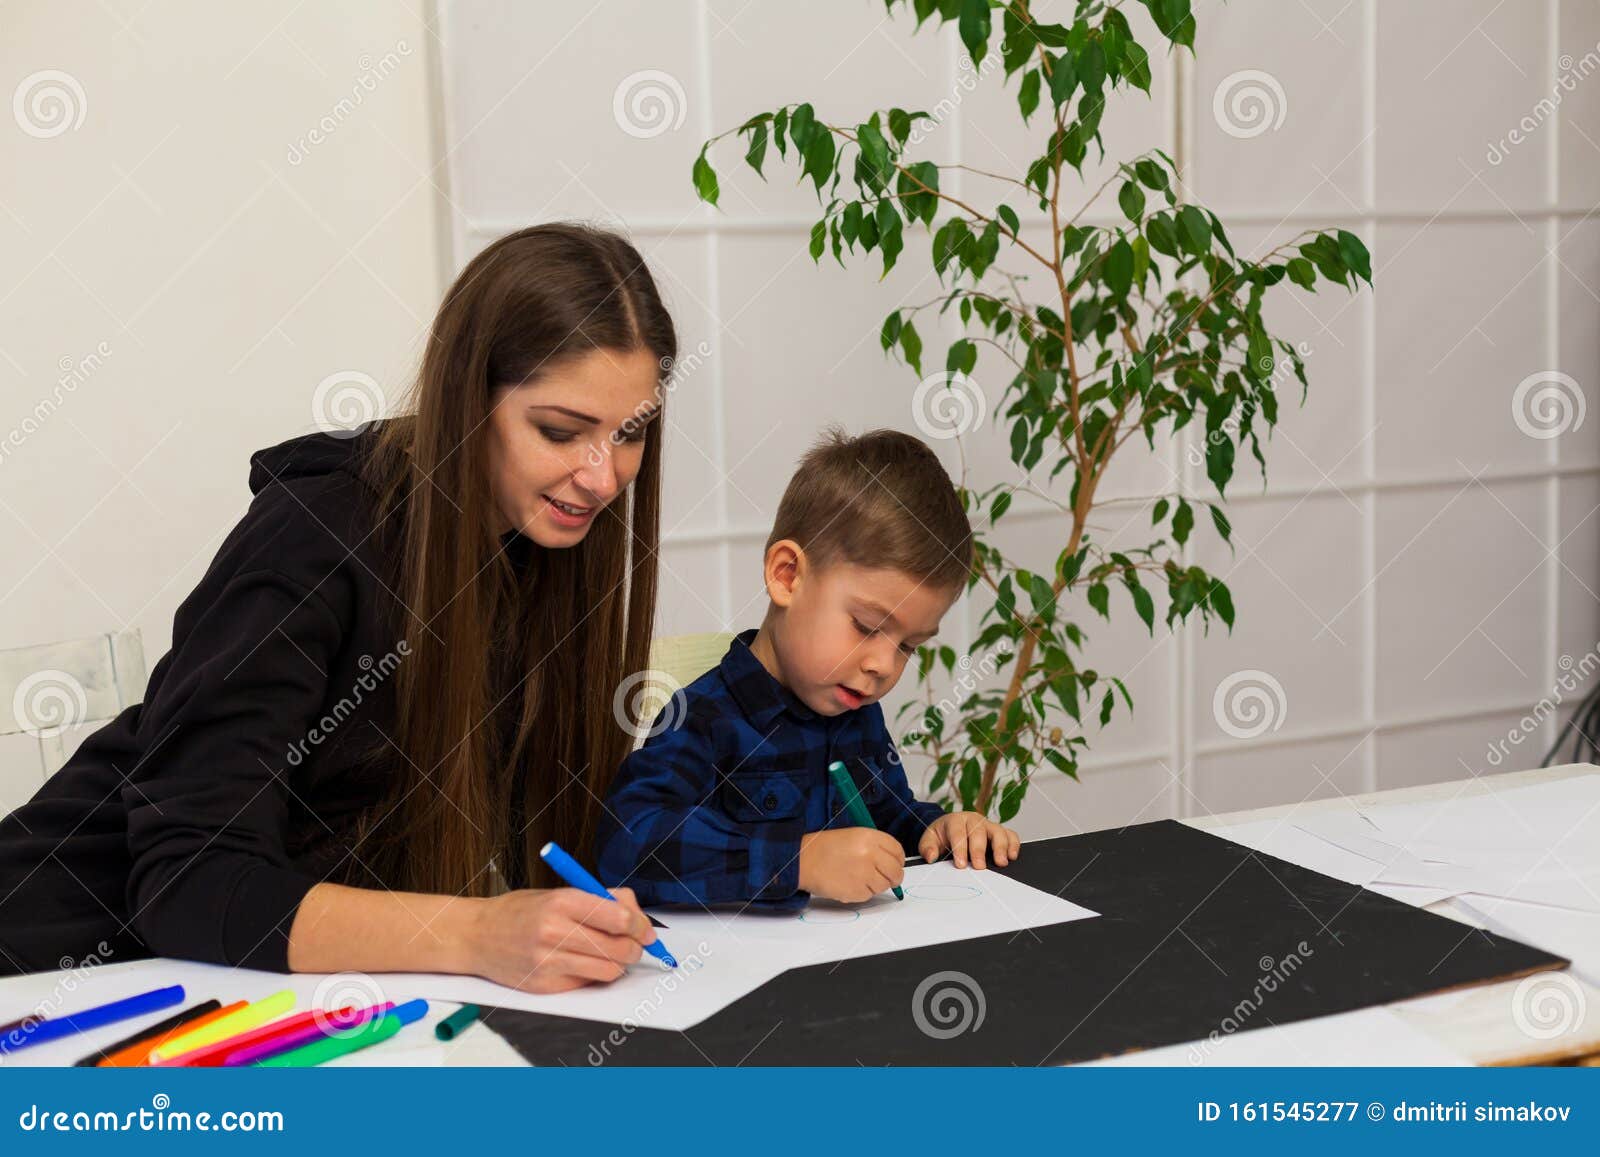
x=344, y=1042
x=457, y=1022
x=852, y=804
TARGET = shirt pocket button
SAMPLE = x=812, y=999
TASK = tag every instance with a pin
x=769, y=801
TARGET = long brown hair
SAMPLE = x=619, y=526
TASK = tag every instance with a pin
x=505, y=697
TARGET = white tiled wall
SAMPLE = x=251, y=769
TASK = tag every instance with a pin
x=1416, y=565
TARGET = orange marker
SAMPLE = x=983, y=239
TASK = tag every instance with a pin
x=139, y=1054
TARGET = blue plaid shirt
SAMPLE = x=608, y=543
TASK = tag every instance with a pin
x=711, y=809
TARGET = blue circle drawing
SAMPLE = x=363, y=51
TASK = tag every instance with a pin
x=830, y=915
x=943, y=892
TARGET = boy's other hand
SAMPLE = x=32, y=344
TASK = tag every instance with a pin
x=969, y=837
x=850, y=864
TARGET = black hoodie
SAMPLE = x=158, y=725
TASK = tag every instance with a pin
x=192, y=824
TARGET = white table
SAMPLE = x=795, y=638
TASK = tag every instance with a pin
x=1475, y=1023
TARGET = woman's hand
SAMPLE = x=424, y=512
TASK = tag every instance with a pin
x=557, y=939
x=969, y=835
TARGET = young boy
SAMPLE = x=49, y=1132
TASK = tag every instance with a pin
x=733, y=803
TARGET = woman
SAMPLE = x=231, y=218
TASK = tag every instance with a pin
x=395, y=680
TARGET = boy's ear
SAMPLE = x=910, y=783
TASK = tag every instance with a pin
x=784, y=563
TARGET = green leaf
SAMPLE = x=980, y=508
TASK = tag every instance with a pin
x=1011, y=798
x=1355, y=255
x=962, y=358
x=974, y=25
x=1131, y=198
x=1182, y=521
x=705, y=179
x=1061, y=762
x=900, y=124
x=1119, y=268
x=1163, y=239
x=1105, y=704
x=1099, y=596
x=819, y=238
x=1043, y=597
x=1302, y=273
x=1063, y=79
x=1222, y=602
x=1028, y=93
x=911, y=346
x=1136, y=66
x=891, y=330
x=1001, y=503
x=1194, y=231
x=1220, y=521
x=1219, y=461
x=1151, y=174
x=819, y=158
x=802, y=124
x=1009, y=216
x=1145, y=605
x=888, y=235
x=757, y=151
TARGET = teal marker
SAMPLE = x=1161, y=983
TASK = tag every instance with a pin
x=574, y=873
x=852, y=804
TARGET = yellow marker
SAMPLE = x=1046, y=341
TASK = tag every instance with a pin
x=249, y=1017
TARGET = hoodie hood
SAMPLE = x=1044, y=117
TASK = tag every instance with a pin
x=310, y=455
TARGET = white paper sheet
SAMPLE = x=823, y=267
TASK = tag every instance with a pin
x=1365, y=1037
x=1283, y=839
x=943, y=903
x=1574, y=935
x=1530, y=844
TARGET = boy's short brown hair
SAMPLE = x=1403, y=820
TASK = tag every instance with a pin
x=880, y=500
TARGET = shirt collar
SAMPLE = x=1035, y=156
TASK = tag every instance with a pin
x=755, y=689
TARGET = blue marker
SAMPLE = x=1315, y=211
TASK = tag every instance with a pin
x=573, y=873
x=42, y=1030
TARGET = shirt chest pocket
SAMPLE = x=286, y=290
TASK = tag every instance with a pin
x=763, y=796
x=866, y=772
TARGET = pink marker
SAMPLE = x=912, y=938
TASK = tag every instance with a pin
x=342, y=1019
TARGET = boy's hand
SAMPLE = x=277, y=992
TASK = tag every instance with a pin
x=850, y=864
x=969, y=836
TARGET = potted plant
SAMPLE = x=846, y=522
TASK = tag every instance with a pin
x=1148, y=325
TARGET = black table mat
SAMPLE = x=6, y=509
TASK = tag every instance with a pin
x=1197, y=935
